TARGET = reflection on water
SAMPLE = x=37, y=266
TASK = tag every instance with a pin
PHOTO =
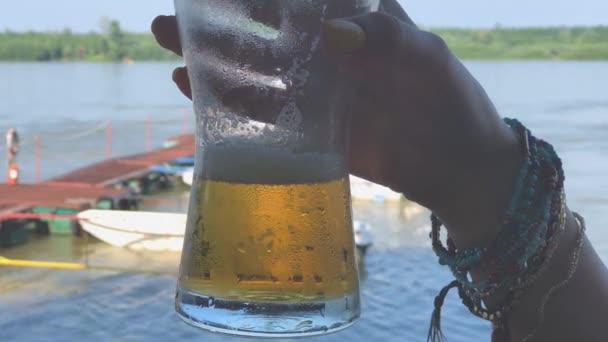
x=398, y=281
x=565, y=103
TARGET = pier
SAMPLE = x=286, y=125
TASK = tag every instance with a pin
x=110, y=184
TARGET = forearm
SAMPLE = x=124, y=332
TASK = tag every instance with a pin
x=474, y=210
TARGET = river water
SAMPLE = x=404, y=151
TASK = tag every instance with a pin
x=69, y=105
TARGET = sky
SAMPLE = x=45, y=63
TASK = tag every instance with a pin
x=136, y=15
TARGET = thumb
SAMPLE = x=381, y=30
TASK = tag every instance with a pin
x=377, y=35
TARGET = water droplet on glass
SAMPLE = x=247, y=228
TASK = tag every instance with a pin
x=269, y=246
x=304, y=325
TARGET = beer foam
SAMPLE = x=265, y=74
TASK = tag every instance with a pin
x=266, y=165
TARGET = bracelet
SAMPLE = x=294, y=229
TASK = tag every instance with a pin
x=526, y=226
x=532, y=226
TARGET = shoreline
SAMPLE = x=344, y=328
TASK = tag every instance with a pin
x=574, y=43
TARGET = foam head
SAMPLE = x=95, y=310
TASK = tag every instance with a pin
x=260, y=165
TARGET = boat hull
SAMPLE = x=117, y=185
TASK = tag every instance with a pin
x=136, y=230
x=159, y=232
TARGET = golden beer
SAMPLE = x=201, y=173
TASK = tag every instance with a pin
x=269, y=248
x=270, y=227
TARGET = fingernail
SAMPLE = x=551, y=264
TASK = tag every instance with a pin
x=177, y=72
x=343, y=36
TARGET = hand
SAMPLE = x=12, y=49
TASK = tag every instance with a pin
x=421, y=123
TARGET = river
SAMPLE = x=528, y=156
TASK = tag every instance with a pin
x=69, y=105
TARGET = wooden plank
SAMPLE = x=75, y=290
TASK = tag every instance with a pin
x=89, y=184
x=122, y=178
x=114, y=171
x=14, y=208
x=55, y=195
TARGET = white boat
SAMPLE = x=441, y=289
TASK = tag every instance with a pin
x=363, y=236
x=360, y=189
x=156, y=231
x=136, y=230
x=364, y=190
x=188, y=176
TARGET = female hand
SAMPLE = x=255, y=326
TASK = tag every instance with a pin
x=421, y=123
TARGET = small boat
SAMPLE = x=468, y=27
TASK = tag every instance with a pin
x=157, y=231
x=363, y=236
x=364, y=190
x=188, y=176
x=136, y=230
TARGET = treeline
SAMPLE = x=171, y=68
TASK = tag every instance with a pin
x=567, y=43
x=114, y=44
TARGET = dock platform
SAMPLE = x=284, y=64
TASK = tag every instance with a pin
x=101, y=185
x=118, y=170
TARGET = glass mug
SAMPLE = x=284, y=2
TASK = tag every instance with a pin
x=269, y=248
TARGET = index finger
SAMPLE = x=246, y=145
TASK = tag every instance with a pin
x=164, y=28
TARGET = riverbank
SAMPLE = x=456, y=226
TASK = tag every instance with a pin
x=559, y=43
x=551, y=43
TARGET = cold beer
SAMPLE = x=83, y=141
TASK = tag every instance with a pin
x=270, y=226
x=269, y=249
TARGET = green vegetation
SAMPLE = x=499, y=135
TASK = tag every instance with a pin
x=567, y=43
x=114, y=44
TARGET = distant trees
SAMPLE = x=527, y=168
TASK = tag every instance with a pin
x=565, y=43
x=115, y=42
x=112, y=43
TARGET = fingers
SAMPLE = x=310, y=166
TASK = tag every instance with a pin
x=253, y=32
x=258, y=103
x=180, y=77
x=263, y=105
x=343, y=37
x=393, y=8
x=379, y=35
x=166, y=33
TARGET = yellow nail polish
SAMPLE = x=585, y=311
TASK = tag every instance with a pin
x=343, y=37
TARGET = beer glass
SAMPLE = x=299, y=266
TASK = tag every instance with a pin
x=269, y=248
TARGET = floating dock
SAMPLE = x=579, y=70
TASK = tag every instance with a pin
x=110, y=184
x=116, y=171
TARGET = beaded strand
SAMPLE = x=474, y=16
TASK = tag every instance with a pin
x=533, y=224
x=525, y=226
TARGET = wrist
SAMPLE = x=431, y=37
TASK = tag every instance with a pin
x=473, y=206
